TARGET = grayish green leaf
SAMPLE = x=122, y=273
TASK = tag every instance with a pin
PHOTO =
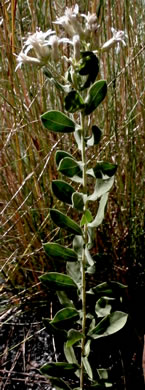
x=58, y=122
x=110, y=288
x=104, y=170
x=63, y=191
x=64, y=300
x=70, y=167
x=78, y=244
x=68, y=313
x=79, y=200
x=59, y=369
x=96, y=95
x=60, y=154
x=100, y=213
x=86, y=218
x=65, y=222
x=101, y=187
x=59, y=252
x=70, y=355
x=96, y=136
x=87, y=367
x=103, y=306
x=109, y=325
x=73, y=102
x=73, y=269
x=57, y=281
x=73, y=337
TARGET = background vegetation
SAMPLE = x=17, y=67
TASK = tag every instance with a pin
x=27, y=150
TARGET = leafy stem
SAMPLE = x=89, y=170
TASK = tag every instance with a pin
x=83, y=252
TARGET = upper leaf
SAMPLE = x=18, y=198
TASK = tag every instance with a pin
x=70, y=167
x=96, y=136
x=59, y=252
x=109, y=325
x=60, y=154
x=104, y=169
x=96, y=95
x=88, y=65
x=63, y=191
x=57, y=281
x=58, y=122
x=65, y=222
x=73, y=102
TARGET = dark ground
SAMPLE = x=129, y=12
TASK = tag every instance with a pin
x=20, y=361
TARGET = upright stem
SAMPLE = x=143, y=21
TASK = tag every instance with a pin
x=83, y=255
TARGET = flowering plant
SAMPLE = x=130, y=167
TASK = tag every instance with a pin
x=86, y=314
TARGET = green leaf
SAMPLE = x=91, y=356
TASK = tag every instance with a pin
x=58, y=122
x=95, y=138
x=86, y=218
x=109, y=325
x=68, y=313
x=73, y=337
x=57, y=281
x=65, y=222
x=101, y=187
x=63, y=191
x=79, y=200
x=104, y=169
x=110, y=288
x=89, y=257
x=77, y=135
x=88, y=65
x=103, y=373
x=60, y=154
x=87, y=367
x=59, y=252
x=73, y=102
x=60, y=369
x=69, y=167
x=70, y=355
x=64, y=300
x=96, y=95
x=87, y=348
x=78, y=244
x=100, y=213
x=103, y=306
x=73, y=269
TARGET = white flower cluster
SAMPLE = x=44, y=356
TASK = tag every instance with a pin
x=41, y=42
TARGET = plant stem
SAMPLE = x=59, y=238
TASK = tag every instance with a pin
x=83, y=255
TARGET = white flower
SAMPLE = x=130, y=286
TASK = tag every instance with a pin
x=38, y=43
x=70, y=21
x=91, y=22
x=118, y=37
x=22, y=58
